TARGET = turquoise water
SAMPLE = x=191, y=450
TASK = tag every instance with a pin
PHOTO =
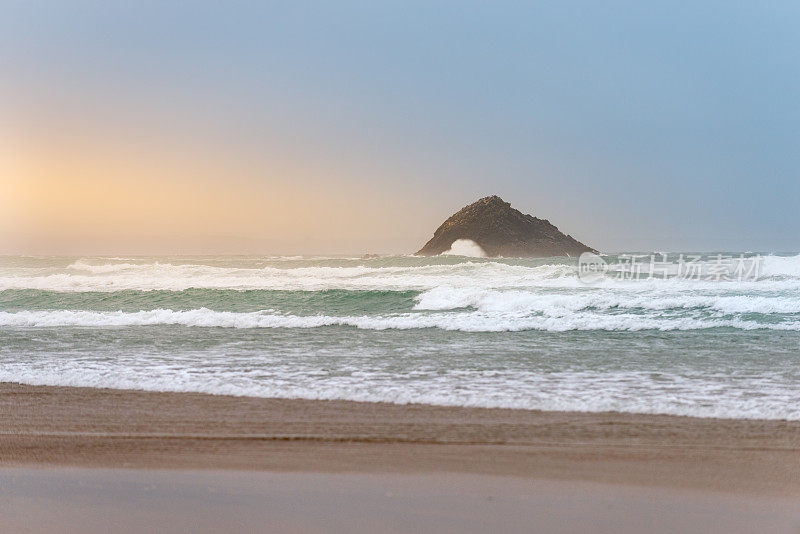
x=445, y=330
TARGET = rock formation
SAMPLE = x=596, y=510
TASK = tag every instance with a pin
x=501, y=230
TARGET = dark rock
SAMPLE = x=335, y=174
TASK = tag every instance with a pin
x=501, y=230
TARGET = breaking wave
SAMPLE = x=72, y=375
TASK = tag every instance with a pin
x=392, y=274
x=463, y=321
x=406, y=329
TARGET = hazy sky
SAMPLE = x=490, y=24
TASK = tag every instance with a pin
x=297, y=127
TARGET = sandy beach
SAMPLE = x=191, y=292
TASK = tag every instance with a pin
x=120, y=428
x=291, y=460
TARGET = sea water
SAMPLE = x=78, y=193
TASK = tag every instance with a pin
x=448, y=330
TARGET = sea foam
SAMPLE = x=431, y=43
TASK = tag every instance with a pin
x=463, y=321
x=444, y=330
x=393, y=274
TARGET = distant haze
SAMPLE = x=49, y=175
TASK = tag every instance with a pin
x=359, y=127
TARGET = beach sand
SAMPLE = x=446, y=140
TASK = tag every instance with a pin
x=614, y=455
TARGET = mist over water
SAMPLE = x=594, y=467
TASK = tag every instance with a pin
x=446, y=330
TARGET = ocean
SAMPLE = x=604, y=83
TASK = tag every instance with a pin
x=447, y=330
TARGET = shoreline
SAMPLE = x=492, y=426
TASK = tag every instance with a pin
x=96, y=500
x=87, y=427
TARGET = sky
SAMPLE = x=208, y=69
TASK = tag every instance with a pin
x=352, y=127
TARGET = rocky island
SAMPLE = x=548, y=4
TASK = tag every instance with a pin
x=500, y=230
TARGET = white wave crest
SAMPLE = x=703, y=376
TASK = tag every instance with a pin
x=465, y=247
x=82, y=276
x=780, y=266
x=400, y=274
x=562, y=303
x=464, y=321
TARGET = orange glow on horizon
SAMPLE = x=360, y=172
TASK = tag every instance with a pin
x=83, y=190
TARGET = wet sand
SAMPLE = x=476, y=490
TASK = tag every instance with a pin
x=97, y=460
x=105, y=501
x=117, y=428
